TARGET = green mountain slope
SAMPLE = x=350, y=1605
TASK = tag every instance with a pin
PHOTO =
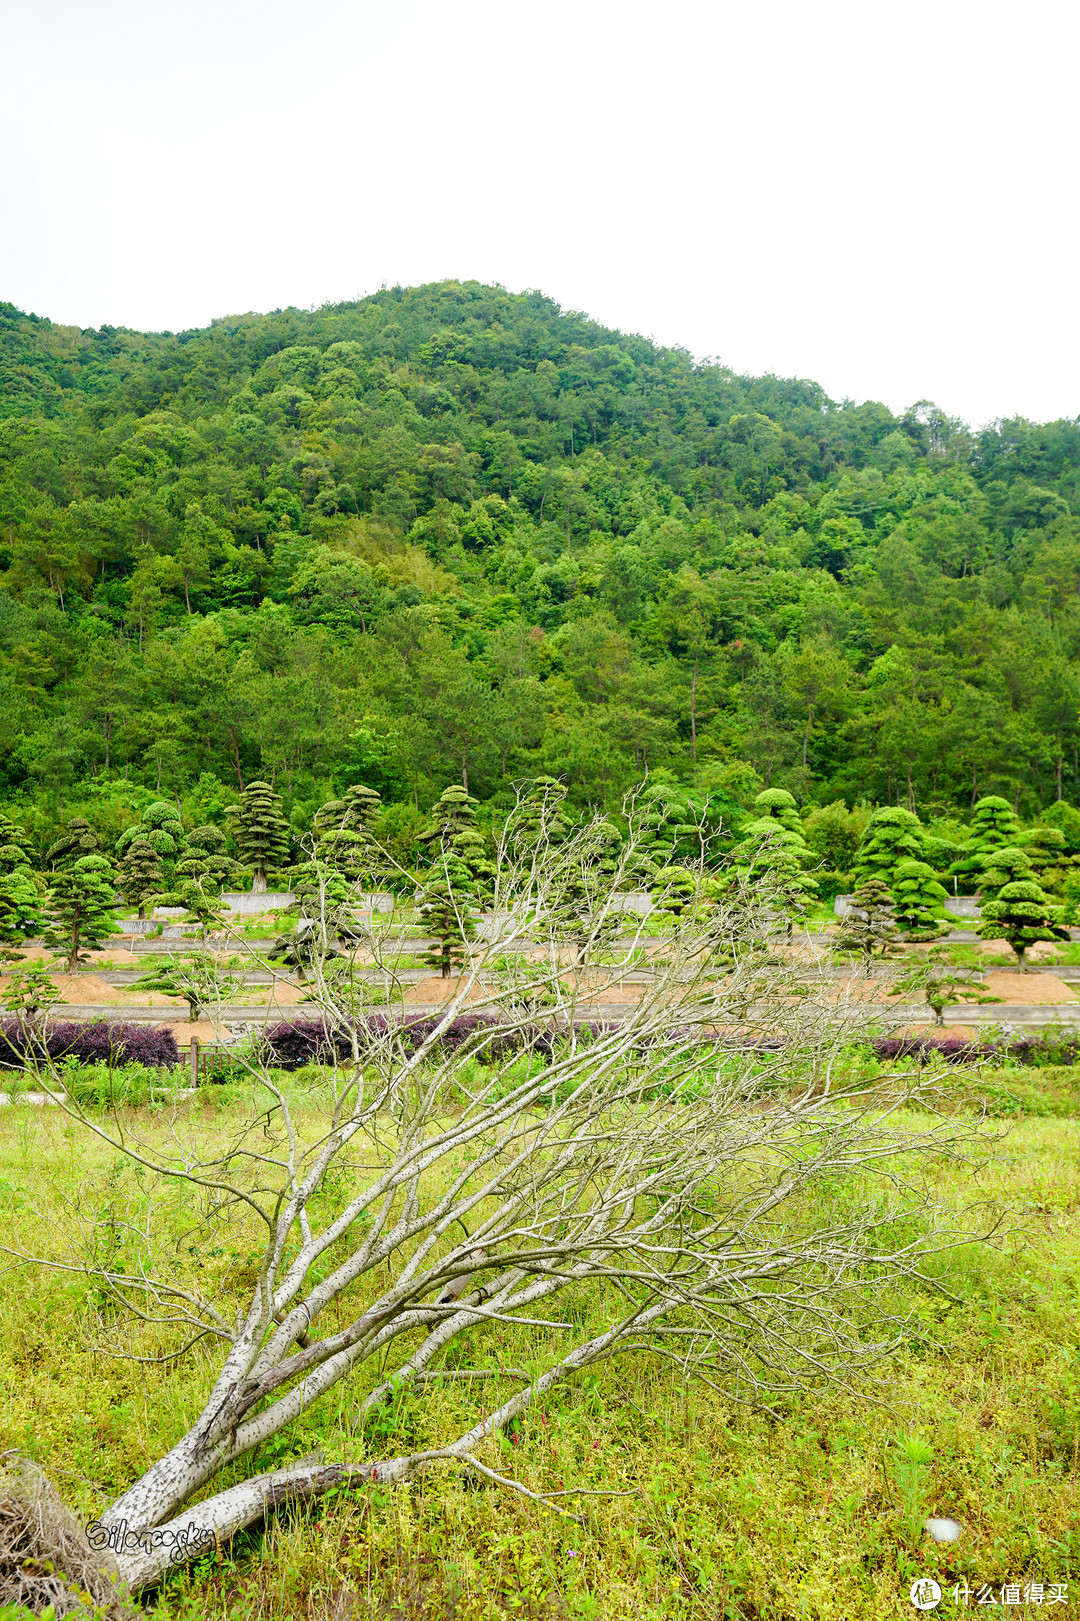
x=449, y=533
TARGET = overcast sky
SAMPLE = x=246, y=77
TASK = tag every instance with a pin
x=880, y=197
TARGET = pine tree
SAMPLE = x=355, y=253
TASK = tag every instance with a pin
x=769, y=857
x=871, y=924
x=16, y=851
x=76, y=841
x=1014, y=904
x=453, y=828
x=676, y=889
x=140, y=875
x=199, y=876
x=994, y=824
x=1052, y=864
x=1022, y=913
x=30, y=992
x=194, y=976
x=892, y=835
x=344, y=832
x=460, y=872
x=540, y=822
x=20, y=912
x=934, y=979
x=584, y=888
x=658, y=821
x=81, y=907
x=260, y=831
x=160, y=827
x=1007, y=865
x=920, y=901
x=777, y=805
x=540, y=827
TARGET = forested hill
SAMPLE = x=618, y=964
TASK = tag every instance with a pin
x=448, y=532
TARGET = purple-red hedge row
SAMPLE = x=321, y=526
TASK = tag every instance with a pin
x=294, y=1043
x=291, y=1045
x=97, y=1041
x=1031, y=1050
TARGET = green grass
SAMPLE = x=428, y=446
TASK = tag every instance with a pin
x=811, y=1509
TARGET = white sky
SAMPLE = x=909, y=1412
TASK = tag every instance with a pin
x=881, y=197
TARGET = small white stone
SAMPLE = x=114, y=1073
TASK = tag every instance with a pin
x=943, y=1530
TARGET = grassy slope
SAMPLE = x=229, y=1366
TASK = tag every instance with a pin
x=732, y=1513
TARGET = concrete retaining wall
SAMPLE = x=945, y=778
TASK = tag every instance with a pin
x=958, y=905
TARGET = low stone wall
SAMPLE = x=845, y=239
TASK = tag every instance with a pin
x=243, y=901
x=958, y=905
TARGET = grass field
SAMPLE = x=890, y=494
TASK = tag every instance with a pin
x=703, y=1509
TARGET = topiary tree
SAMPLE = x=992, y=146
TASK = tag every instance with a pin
x=140, y=874
x=540, y=830
x=871, y=924
x=660, y=820
x=203, y=857
x=453, y=829
x=16, y=850
x=160, y=827
x=260, y=831
x=81, y=907
x=1066, y=818
x=30, y=992
x=892, y=835
x=20, y=912
x=777, y=805
x=1008, y=865
x=920, y=901
x=193, y=975
x=939, y=986
x=198, y=878
x=771, y=857
x=77, y=840
x=459, y=880
x=994, y=824
x=344, y=836
x=1052, y=864
x=1021, y=911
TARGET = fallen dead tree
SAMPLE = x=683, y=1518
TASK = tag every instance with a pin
x=641, y=1164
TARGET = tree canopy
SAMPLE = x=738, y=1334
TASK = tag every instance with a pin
x=450, y=534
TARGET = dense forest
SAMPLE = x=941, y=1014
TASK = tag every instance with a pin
x=447, y=534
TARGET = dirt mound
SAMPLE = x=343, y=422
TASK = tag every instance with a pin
x=1027, y=989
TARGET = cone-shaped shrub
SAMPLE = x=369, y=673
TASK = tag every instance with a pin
x=16, y=851
x=770, y=857
x=920, y=901
x=994, y=824
x=1049, y=857
x=20, y=911
x=892, y=835
x=871, y=925
x=140, y=874
x=260, y=831
x=344, y=836
x=460, y=871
